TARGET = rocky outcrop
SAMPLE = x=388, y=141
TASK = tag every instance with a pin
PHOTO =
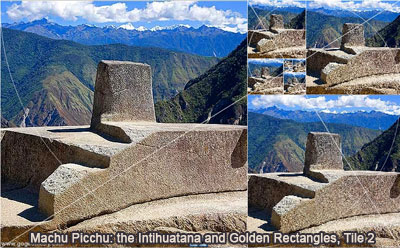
x=125, y=158
x=331, y=70
x=265, y=85
x=266, y=43
x=324, y=191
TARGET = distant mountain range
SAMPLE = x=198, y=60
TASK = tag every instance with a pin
x=325, y=30
x=205, y=41
x=259, y=17
x=373, y=120
x=388, y=36
x=55, y=78
x=385, y=16
x=381, y=154
x=211, y=93
x=277, y=145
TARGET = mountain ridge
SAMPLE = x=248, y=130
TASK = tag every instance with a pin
x=204, y=41
x=211, y=93
x=373, y=120
x=381, y=154
x=39, y=63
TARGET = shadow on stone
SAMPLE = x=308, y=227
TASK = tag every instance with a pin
x=32, y=214
x=25, y=196
x=83, y=129
x=70, y=130
x=290, y=175
x=239, y=154
x=395, y=190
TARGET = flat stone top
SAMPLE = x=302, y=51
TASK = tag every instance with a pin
x=83, y=137
x=333, y=52
x=175, y=127
x=325, y=133
x=293, y=178
x=80, y=136
x=117, y=62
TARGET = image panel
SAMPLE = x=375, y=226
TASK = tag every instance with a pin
x=352, y=47
x=123, y=117
x=276, y=29
x=324, y=163
x=265, y=76
x=294, y=76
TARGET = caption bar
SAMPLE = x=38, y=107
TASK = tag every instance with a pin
x=201, y=239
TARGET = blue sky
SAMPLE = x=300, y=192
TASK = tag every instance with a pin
x=328, y=103
x=333, y=4
x=228, y=15
x=393, y=6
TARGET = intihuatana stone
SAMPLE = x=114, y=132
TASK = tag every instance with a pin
x=276, y=22
x=123, y=92
x=353, y=35
x=323, y=152
x=265, y=72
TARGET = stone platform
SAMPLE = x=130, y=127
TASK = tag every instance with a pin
x=385, y=226
x=124, y=158
x=269, y=85
x=214, y=212
x=324, y=191
x=353, y=68
x=276, y=42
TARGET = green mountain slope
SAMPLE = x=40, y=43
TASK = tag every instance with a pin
x=389, y=34
x=298, y=22
x=279, y=145
x=55, y=78
x=325, y=30
x=382, y=154
x=207, y=95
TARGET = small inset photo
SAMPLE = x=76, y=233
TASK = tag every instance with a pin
x=324, y=165
x=352, y=47
x=294, y=65
x=294, y=83
x=276, y=29
x=265, y=76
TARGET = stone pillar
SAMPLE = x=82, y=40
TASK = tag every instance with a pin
x=276, y=22
x=265, y=72
x=323, y=152
x=353, y=35
x=123, y=92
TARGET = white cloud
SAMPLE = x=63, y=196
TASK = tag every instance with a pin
x=118, y=12
x=279, y=3
x=322, y=103
x=356, y=6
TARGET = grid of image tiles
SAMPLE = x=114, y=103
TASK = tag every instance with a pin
x=323, y=109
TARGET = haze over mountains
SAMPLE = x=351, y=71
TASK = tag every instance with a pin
x=55, y=78
x=374, y=119
x=205, y=40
